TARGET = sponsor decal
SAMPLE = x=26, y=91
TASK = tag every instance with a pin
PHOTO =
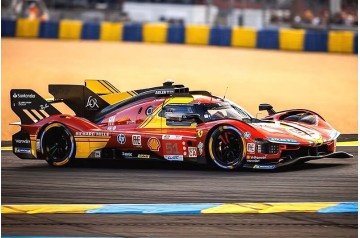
x=136, y=140
x=304, y=133
x=283, y=140
x=258, y=166
x=164, y=92
x=143, y=156
x=171, y=137
x=111, y=128
x=174, y=157
x=111, y=121
x=171, y=148
x=24, y=95
x=43, y=107
x=97, y=154
x=91, y=103
x=23, y=104
x=257, y=157
x=200, y=147
x=22, y=150
x=127, y=154
x=149, y=111
x=192, y=152
x=253, y=160
x=121, y=139
x=26, y=141
x=130, y=122
x=153, y=144
x=247, y=135
x=250, y=148
x=200, y=133
x=90, y=133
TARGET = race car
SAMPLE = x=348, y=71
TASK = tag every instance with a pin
x=169, y=123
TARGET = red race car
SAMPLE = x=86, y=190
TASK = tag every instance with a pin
x=170, y=123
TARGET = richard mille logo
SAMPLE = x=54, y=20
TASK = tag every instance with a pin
x=92, y=103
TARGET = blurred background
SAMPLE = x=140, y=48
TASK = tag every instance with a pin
x=305, y=14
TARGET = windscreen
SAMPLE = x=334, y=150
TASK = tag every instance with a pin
x=225, y=110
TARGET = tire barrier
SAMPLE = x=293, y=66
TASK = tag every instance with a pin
x=132, y=32
x=110, y=31
x=220, y=36
x=176, y=34
x=243, y=37
x=49, y=30
x=70, y=29
x=291, y=39
x=197, y=35
x=280, y=39
x=90, y=31
x=155, y=33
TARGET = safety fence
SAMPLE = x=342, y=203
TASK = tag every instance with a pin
x=283, y=39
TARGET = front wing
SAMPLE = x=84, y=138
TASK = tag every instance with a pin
x=292, y=162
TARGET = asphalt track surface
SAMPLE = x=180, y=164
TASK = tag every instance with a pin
x=103, y=182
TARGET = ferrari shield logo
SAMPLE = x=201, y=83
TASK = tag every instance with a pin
x=200, y=133
x=153, y=144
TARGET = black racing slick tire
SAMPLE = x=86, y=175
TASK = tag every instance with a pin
x=226, y=147
x=57, y=145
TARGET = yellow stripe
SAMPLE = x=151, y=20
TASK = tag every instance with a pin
x=111, y=86
x=106, y=86
x=6, y=148
x=347, y=143
x=116, y=97
x=43, y=208
x=97, y=87
x=267, y=207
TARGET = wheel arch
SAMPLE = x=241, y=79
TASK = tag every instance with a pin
x=41, y=133
x=208, y=136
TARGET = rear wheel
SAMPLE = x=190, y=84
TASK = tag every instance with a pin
x=57, y=144
x=226, y=147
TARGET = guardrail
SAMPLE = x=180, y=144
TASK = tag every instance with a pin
x=283, y=39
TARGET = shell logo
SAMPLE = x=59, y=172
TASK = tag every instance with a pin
x=153, y=144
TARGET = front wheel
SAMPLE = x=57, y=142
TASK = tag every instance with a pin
x=226, y=147
x=57, y=144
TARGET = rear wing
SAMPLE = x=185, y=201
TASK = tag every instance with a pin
x=29, y=106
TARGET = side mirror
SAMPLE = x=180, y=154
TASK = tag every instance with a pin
x=267, y=107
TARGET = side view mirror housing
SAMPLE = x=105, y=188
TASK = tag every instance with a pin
x=267, y=107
